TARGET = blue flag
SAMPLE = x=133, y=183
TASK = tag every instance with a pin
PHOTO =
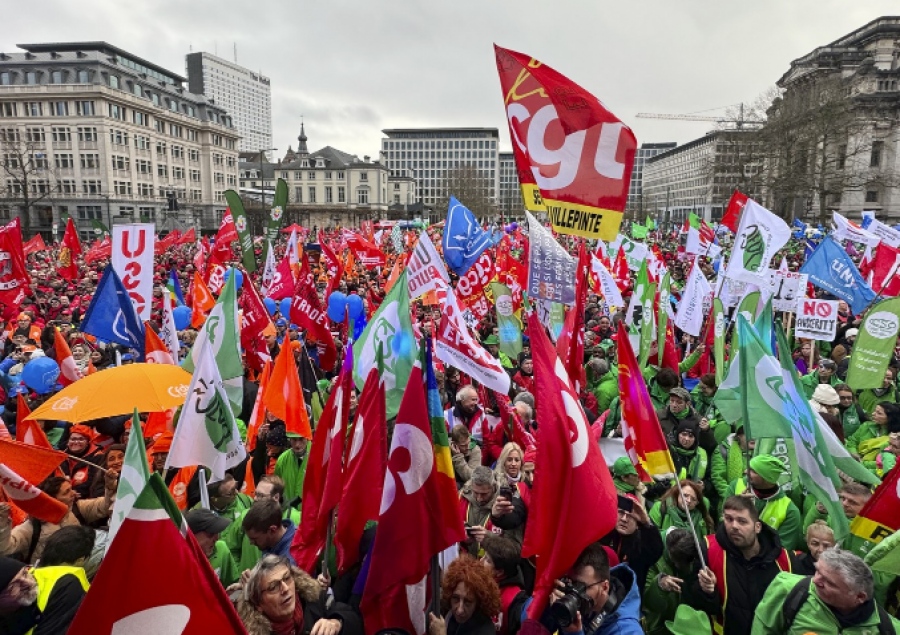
x=111, y=316
x=464, y=240
x=831, y=269
x=808, y=249
x=175, y=287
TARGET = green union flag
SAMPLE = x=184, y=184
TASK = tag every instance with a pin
x=391, y=328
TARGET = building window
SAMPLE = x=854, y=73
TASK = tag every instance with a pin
x=193, y=155
x=362, y=197
x=328, y=176
x=85, y=108
x=62, y=135
x=329, y=194
x=137, y=90
x=122, y=188
x=64, y=161
x=871, y=196
x=67, y=186
x=90, y=161
x=91, y=187
x=56, y=77
x=191, y=135
x=311, y=176
x=113, y=81
x=140, y=118
x=162, y=170
x=84, y=77
x=34, y=135
x=118, y=137
x=298, y=194
x=177, y=173
x=161, y=148
x=177, y=152
x=195, y=176
x=363, y=176
x=60, y=108
x=154, y=98
x=9, y=109
x=141, y=142
x=875, y=159
x=5, y=78
x=396, y=186
x=88, y=212
x=31, y=77
x=312, y=194
x=34, y=109
x=121, y=164
x=87, y=134
x=117, y=112
x=342, y=195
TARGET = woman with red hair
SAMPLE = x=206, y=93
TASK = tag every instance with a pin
x=470, y=594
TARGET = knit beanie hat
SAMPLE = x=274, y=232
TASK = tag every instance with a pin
x=768, y=467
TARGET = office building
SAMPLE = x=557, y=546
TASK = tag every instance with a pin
x=635, y=208
x=245, y=94
x=510, y=202
x=91, y=131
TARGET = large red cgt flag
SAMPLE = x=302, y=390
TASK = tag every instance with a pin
x=644, y=439
x=411, y=502
x=569, y=470
x=322, y=483
x=574, y=156
x=68, y=253
x=363, y=471
x=34, y=245
x=307, y=311
x=885, y=270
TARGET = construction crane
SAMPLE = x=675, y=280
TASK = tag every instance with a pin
x=739, y=123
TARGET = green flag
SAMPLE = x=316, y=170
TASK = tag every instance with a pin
x=276, y=215
x=638, y=231
x=222, y=330
x=508, y=325
x=392, y=327
x=156, y=503
x=719, y=341
x=132, y=479
x=239, y=216
x=760, y=387
x=885, y=557
x=875, y=345
x=648, y=324
x=100, y=230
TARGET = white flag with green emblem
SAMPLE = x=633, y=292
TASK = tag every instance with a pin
x=132, y=479
x=206, y=433
x=222, y=331
x=390, y=328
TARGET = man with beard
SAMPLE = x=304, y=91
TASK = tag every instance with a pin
x=742, y=559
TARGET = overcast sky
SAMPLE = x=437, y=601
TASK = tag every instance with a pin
x=355, y=67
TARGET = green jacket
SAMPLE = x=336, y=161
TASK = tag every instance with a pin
x=606, y=389
x=814, y=615
x=866, y=431
x=660, y=605
x=245, y=554
x=223, y=564
x=235, y=509
x=867, y=398
x=730, y=468
x=790, y=529
x=673, y=517
x=292, y=472
x=811, y=380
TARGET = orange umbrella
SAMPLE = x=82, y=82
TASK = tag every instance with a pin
x=118, y=391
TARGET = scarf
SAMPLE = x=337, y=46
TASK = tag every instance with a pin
x=293, y=625
x=855, y=617
x=682, y=413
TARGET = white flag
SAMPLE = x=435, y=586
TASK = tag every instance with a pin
x=845, y=230
x=292, y=251
x=690, y=309
x=759, y=237
x=886, y=233
x=268, y=275
x=132, y=479
x=425, y=269
x=207, y=433
x=167, y=331
x=606, y=283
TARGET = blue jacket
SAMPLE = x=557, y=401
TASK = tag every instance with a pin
x=283, y=546
x=625, y=619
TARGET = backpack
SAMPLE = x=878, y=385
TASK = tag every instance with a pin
x=797, y=597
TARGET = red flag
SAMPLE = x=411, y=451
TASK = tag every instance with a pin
x=259, y=410
x=880, y=516
x=284, y=395
x=333, y=264
x=32, y=463
x=570, y=344
x=322, y=483
x=733, y=211
x=29, y=431
x=98, y=251
x=66, y=263
x=35, y=245
x=363, y=472
x=885, y=270
x=30, y=499
x=227, y=233
x=255, y=324
x=155, y=351
x=574, y=157
x=178, y=591
x=283, y=283
x=307, y=311
x=188, y=237
x=644, y=439
x=171, y=239
x=411, y=501
x=200, y=256
x=569, y=470
x=620, y=271
x=366, y=252
x=68, y=371
x=14, y=277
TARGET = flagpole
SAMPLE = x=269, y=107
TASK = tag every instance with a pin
x=75, y=458
x=687, y=513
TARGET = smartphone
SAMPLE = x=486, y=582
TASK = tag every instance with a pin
x=469, y=530
x=626, y=504
x=506, y=492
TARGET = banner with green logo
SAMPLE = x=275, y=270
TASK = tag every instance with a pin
x=236, y=205
x=875, y=345
x=276, y=215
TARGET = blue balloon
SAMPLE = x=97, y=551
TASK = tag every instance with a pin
x=285, y=308
x=271, y=306
x=182, y=315
x=40, y=375
x=337, y=305
x=359, y=325
x=238, y=277
x=355, y=306
x=402, y=343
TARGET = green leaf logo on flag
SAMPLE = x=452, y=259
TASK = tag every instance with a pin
x=754, y=249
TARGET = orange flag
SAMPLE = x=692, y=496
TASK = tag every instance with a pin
x=30, y=462
x=395, y=272
x=154, y=350
x=203, y=301
x=4, y=431
x=284, y=396
x=259, y=410
x=30, y=499
x=30, y=431
x=249, y=487
x=68, y=371
x=91, y=369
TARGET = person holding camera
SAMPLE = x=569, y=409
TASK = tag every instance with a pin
x=594, y=599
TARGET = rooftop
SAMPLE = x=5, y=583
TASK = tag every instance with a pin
x=103, y=47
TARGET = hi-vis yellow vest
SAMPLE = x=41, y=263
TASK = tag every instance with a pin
x=47, y=577
x=775, y=511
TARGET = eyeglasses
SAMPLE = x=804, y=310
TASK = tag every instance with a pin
x=275, y=586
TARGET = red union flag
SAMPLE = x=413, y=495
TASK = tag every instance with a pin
x=574, y=157
x=132, y=258
x=307, y=311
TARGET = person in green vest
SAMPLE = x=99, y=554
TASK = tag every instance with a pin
x=825, y=373
x=659, y=382
x=244, y=552
x=734, y=451
x=665, y=580
x=870, y=397
x=702, y=395
x=207, y=527
x=852, y=416
x=291, y=467
x=872, y=436
x=626, y=478
x=669, y=512
x=61, y=580
x=225, y=499
x=605, y=384
x=775, y=508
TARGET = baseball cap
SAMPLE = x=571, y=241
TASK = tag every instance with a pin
x=206, y=521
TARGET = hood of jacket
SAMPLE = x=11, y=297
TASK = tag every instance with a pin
x=308, y=590
x=624, y=600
